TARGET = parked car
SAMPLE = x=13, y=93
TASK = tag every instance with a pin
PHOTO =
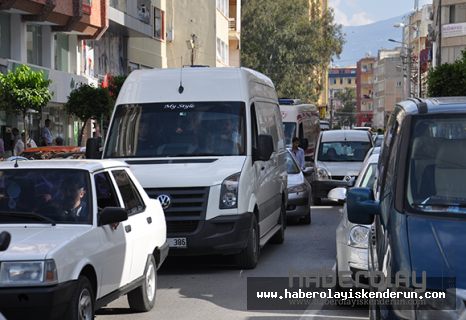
x=83, y=233
x=352, y=239
x=54, y=152
x=299, y=191
x=378, y=140
x=372, y=151
x=324, y=125
x=212, y=150
x=419, y=206
x=302, y=121
x=339, y=159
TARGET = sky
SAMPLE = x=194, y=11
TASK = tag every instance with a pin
x=361, y=12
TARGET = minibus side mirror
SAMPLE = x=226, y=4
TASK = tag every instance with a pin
x=93, y=148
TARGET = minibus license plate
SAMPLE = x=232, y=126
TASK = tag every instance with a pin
x=177, y=242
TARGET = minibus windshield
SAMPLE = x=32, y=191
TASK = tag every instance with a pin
x=437, y=165
x=178, y=129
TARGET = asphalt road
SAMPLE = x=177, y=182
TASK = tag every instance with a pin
x=211, y=288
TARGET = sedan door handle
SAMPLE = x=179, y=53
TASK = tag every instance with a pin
x=128, y=228
x=149, y=220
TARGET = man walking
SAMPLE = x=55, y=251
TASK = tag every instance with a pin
x=47, y=134
x=298, y=152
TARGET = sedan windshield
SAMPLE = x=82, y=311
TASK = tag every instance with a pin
x=45, y=196
x=177, y=130
x=343, y=151
x=437, y=165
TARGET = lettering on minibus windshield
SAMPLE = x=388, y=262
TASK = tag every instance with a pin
x=179, y=106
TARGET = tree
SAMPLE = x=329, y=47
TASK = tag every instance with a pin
x=24, y=89
x=87, y=102
x=115, y=84
x=280, y=40
x=448, y=79
x=347, y=99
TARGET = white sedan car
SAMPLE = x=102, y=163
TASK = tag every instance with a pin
x=83, y=233
x=352, y=239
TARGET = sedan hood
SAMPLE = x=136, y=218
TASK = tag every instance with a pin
x=341, y=168
x=437, y=247
x=185, y=172
x=36, y=242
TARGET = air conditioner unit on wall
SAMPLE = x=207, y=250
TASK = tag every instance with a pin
x=170, y=35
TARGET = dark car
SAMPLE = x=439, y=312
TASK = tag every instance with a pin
x=419, y=206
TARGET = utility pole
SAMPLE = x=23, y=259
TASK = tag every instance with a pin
x=439, y=18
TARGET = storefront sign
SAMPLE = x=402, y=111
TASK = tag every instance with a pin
x=453, y=30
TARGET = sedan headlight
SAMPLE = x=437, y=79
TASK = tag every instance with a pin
x=229, y=192
x=298, y=188
x=28, y=273
x=322, y=174
x=359, y=237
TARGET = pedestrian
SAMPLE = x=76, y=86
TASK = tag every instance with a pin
x=30, y=142
x=17, y=142
x=47, y=137
x=298, y=153
x=59, y=141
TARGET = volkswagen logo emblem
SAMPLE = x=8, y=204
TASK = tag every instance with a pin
x=165, y=201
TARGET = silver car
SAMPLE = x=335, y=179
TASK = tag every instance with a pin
x=352, y=239
x=299, y=191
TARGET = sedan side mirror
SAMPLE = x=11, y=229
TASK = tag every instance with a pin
x=111, y=215
x=308, y=171
x=337, y=195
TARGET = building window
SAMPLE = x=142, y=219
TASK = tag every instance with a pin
x=4, y=35
x=34, y=44
x=349, y=81
x=457, y=13
x=222, y=6
x=118, y=4
x=87, y=6
x=159, y=24
x=398, y=84
x=143, y=7
x=334, y=81
x=62, y=52
x=341, y=80
x=222, y=51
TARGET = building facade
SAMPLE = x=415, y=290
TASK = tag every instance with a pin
x=388, y=85
x=448, y=31
x=365, y=91
x=51, y=36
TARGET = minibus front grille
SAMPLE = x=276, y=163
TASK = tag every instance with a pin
x=187, y=207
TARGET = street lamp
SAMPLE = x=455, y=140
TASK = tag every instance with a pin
x=409, y=54
x=415, y=28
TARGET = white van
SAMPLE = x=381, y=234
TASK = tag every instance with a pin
x=302, y=121
x=340, y=155
x=209, y=144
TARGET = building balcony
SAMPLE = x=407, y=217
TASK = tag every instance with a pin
x=233, y=33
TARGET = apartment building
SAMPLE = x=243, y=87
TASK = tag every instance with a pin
x=417, y=45
x=387, y=86
x=448, y=31
x=340, y=79
x=51, y=35
x=365, y=91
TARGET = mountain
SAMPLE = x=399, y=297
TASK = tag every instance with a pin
x=367, y=40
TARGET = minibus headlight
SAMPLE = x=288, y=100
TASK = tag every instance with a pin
x=229, y=192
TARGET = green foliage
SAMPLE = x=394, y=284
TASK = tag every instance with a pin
x=280, y=40
x=448, y=79
x=23, y=89
x=88, y=102
x=115, y=84
x=348, y=100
